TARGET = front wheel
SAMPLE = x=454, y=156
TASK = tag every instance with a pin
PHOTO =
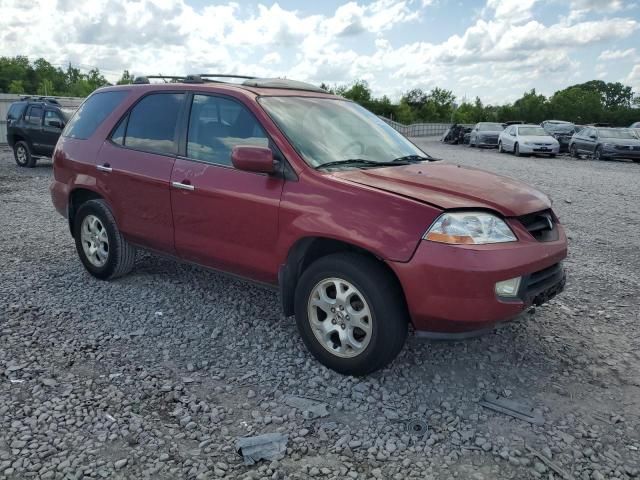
x=573, y=151
x=22, y=155
x=102, y=249
x=500, y=150
x=516, y=150
x=597, y=154
x=351, y=314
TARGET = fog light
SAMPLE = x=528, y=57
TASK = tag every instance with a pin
x=508, y=288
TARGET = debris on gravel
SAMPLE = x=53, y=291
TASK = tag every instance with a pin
x=157, y=374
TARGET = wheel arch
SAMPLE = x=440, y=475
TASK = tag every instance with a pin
x=309, y=249
x=77, y=197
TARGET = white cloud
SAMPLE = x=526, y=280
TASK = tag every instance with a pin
x=511, y=10
x=633, y=78
x=617, y=54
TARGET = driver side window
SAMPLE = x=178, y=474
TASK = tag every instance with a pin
x=216, y=125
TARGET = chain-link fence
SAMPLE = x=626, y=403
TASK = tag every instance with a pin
x=420, y=129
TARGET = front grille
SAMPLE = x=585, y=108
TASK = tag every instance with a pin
x=543, y=144
x=541, y=286
x=541, y=225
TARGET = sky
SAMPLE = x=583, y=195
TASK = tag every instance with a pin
x=494, y=49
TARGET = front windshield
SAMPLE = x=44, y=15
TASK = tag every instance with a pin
x=617, y=133
x=326, y=130
x=490, y=127
x=532, y=131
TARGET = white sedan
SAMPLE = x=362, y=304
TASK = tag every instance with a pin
x=527, y=140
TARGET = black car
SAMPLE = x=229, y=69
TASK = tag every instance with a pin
x=456, y=134
x=606, y=143
x=561, y=131
x=33, y=128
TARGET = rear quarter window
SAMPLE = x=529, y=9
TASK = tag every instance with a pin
x=92, y=113
x=15, y=111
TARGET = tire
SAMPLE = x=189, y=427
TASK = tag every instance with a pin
x=500, y=150
x=22, y=155
x=635, y=160
x=120, y=255
x=516, y=150
x=552, y=155
x=597, y=154
x=372, y=287
x=573, y=151
x=471, y=144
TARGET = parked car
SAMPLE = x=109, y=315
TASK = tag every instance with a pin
x=281, y=183
x=562, y=131
x=636, y=128
x=606, y=143
x=33, y=128
x=527, y=140
x=485, y=134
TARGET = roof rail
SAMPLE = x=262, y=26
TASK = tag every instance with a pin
x=224, y=75
x=282, y=83
x=41, y=99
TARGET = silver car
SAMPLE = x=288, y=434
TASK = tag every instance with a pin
x=527, y=140
x=485, y=134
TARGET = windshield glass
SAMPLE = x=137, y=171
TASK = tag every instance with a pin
x=617, y=133
x=532, y=131
x=490, y=127
x=325, y=130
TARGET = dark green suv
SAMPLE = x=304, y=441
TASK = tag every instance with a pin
x=33, y=128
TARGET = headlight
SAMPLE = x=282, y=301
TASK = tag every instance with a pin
x=469, y=228
x=527, y=143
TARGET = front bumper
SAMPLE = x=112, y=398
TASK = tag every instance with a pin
x=451, y=289
x=539, y=150
x=487, y=142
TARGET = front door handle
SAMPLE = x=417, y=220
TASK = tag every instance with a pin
x=104, y=168
x=183, y=186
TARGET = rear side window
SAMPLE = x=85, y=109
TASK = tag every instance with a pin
x=151, y=124
x=34, y=115
x=92, y=113
x=15, y=111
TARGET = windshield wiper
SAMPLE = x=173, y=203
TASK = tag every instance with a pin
x=414, y=158
x=361, y=162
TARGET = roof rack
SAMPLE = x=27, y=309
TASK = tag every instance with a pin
x=282, y=83
x=41, y=99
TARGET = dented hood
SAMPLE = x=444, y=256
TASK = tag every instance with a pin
x=451, y=186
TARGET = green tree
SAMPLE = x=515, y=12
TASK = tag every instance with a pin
x=531, y=108
x=126, y=78
x=576, y=104
x=46, y=87
x=16, y=86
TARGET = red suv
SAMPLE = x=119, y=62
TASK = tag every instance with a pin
x=279, y=182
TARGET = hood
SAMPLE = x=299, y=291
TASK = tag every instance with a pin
x=537, y=138
x=450, y=186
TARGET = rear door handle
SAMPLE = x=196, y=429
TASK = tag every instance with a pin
x=104, y=168
x=183, y=186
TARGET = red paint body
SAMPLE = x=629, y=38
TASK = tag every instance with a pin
x=247, y=222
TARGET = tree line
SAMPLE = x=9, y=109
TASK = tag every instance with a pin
x=589, y=102
x=593, y=101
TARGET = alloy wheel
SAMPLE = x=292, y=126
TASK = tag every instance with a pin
x=340, y=317
x=95, y=241
x=21, y=155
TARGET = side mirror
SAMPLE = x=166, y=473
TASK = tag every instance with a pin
x=56, y=124
x=593, y=137
x=253, y=159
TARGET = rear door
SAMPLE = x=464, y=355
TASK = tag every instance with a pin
x=224, y=218
x=135, y=166
x=33, y=129
x=51, y=130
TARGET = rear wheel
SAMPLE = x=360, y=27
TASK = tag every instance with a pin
x=102, y=249
x=22, y=154
x=350, y=313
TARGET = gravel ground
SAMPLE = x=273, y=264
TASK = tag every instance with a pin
x=156, y=374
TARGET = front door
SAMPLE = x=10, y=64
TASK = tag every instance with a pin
x=224, y=218
x=51, y=130
x=134, y=170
